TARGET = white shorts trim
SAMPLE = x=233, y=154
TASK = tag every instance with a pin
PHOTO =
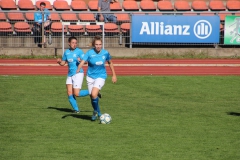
x=76, y=80
x=98, y=83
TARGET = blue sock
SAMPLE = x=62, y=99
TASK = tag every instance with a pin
x=83, y=93
x=73, y=102
x=96, y=106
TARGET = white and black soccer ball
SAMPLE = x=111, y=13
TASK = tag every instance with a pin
x=105, y=118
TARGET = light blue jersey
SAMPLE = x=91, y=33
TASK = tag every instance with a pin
x=38, y=16
x=96, y=63
x=71, y=57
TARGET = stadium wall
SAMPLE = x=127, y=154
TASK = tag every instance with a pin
x=129, y=52
x=14, y=44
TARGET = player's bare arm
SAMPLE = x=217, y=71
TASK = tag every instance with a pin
x=60, y=62
x=114, y=77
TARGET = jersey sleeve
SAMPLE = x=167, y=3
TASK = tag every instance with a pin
x=47, y=12
x=80, y=54
x=108, y=56
x=85, y=57
x=64, y=57
x=37, y=17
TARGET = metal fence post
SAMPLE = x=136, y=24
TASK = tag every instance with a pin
x=42, y=29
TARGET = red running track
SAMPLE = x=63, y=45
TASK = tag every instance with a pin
x=128, y=67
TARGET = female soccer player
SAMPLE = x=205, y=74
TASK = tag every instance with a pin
x=72, y=57
x=96, y=73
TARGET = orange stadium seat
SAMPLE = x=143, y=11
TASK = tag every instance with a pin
x=93, y=5
x=48, y=4
x=111, y=28
x=223, y=14
x=5, y=28
x=15, y=16
x=56, y=28
x=88, y=17
x=25, y=5
x=55, y=17
x=122, y=17
x=115, y=6
x=125, y=27
x=61, y=5
x=93, y=29
x=182, y=5
x=22, y=27
x=199, y=5
x=233, y=5
x=130, y=5
x=8, y=5
x=29, y=16
x=69, y=17
x=76, y=29
x=79, y=5
x=165, y=6
x=217, y=5
x=147, y=5
x=3, y=16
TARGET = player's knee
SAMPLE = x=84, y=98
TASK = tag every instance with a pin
x=69, y=93
x=94, y=95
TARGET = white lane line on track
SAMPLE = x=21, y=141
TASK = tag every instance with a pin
x=138, y=65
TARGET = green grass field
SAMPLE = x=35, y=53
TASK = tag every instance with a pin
x=154, y=117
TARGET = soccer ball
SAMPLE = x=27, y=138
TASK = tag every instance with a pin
x=105, y=118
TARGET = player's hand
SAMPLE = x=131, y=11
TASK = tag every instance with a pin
x=59, y=60
x=114, y=79
x=78, y=70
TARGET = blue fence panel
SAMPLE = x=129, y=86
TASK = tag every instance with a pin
x=175, y=29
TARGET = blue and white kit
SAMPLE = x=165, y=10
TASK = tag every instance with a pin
x=96, y=63
x=71, y=57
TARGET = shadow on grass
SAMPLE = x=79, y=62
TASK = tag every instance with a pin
x=65, y=109
x=233, y=113
x=61, y=109
x=85, y=117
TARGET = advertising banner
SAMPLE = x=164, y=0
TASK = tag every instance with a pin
x=232, y=30
x=175, y=29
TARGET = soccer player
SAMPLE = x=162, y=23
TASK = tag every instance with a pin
x=72, y=57
x=96, y=73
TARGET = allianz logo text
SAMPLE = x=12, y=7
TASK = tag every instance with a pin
x=202, y=29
